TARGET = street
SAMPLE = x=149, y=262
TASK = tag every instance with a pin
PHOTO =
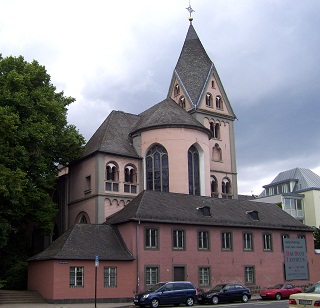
x=252, y=304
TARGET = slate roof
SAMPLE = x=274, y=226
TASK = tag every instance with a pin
x=114, y=134
x=167, y=114
x=305, y=178
x=84, y=242
x=193, y=66
x=162, y=207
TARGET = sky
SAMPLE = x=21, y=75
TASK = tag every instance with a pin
x=120, y=55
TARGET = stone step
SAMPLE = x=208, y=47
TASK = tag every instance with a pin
x=16, y=297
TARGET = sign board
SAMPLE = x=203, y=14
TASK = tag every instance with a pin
x=295, y=259
x=96, y=261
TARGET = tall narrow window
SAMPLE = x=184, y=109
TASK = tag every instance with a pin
x=226, y=188
x=110, y=277
x=214, y=186
x=193, y=171
x=178, y=239
x=112, y=177
x=267, y=242
x=247, y=242
x=182, y=102
x=226, y=241
x=219, y=104
x=151, y=275
x=157, y=169
x=151, y=238
x=176, y=90
x=249, y=274
x=208, y=100
x=130, y=178
x=76, y=276
x=203, y=240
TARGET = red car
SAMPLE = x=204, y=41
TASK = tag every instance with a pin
x=280, y=291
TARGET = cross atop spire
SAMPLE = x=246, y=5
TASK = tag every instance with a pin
x=190, y=10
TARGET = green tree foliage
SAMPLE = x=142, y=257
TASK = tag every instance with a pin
x=35, y=139
x=316, y=236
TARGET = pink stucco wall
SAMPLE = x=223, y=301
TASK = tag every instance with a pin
x=177, y=141
x=51, y=279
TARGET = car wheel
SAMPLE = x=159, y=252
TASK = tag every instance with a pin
x=215, y=300
x=189, y=301
x=278, y=296
x=154, y=303
x=245, y=298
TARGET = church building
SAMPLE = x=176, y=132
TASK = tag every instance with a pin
x=154, y=198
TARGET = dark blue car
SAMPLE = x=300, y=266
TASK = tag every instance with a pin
x=167, y=293
x=230, y=292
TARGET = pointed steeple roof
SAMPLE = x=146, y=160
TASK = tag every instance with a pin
x=193, y=66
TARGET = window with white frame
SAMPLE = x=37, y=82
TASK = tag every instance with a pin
x=249, y=274
x=267, y=242
x=203, y=240
x=76, y=276
x=204, y=276
x=151, y=238
x=247, y=242
x=110, y=277
x=178, y=239
x=294, y=207
x=226, y=241
x=151, y=275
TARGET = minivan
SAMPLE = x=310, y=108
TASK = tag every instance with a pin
x=167, y=293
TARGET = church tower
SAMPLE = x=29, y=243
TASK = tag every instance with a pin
x=196, y=87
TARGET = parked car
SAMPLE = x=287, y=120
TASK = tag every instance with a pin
x=280, y=291
x=310, y=298
x=167, y=293
x=230, y=292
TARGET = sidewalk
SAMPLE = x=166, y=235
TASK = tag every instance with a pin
x=88, y=305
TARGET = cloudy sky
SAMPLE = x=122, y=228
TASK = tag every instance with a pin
x=120, y=55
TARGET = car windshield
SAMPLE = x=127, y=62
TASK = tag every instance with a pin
x=217, y=288
x=277, y=286
x=314, y=289
x=155, y=287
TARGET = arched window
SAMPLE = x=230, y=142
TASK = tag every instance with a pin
x=226, y=188
x=216, y=153
x=130, y=178
x=182, y=102
x=157, y=169
x=214, y=186
x=112, y=177
x=176, y=90
x=208, y=100
x=219, y=104
x=213, y=84
x=112, y=173
x=193, y=171
x=215, y=130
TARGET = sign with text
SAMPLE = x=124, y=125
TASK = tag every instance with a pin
x=295, y=258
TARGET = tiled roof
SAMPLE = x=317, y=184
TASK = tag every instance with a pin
x=113, y=136
x=84, y=242
x=306, y=179
x=167, y=114
x=184, y=209
x=193, y=66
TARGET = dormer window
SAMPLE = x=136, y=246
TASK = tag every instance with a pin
x=205, y=211
x=254, y=215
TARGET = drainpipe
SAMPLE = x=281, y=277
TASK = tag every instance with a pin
x=138, y=257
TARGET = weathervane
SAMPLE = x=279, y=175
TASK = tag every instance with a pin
x=190, y=10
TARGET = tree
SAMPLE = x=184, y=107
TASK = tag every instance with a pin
x=35, y=139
